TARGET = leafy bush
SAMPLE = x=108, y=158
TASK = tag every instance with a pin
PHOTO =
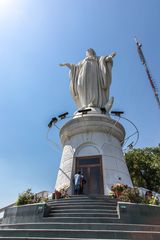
x=61, y=192
x=118, y=187
x=64, y=191
x=154, y=201
x=27, y=197
x=131, y=195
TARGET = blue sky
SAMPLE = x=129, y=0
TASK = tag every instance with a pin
x=35, y=36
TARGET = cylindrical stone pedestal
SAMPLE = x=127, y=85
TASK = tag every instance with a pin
x=93, y=135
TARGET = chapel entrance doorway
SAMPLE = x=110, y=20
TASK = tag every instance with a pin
x=91, y=168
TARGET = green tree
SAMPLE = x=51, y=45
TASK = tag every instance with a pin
x=144, y=167
x=26, y=197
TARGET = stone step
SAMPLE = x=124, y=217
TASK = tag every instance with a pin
x=101, y=197
x=90, y=196
x=82, y=214
x=69, y=200
x=93, y=234
x=74, y=206
x=82, y=219
x=84, y=210
x=84, y=226
x=82, y=203
x=36, y=238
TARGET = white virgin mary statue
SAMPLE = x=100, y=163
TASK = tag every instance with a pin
x=90, y=81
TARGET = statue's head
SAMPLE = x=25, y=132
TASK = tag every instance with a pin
x=90, y=52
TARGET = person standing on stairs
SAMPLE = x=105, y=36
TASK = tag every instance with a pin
x=77, y=183
x=83, y=182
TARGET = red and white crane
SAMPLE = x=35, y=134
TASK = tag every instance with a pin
x=152, y=83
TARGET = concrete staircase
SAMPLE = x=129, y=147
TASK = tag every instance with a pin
x=80, y=217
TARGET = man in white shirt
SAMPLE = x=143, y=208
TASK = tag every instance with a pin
x=77, y=183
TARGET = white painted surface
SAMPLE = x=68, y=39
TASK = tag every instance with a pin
x=90, y=80
x=90, y=136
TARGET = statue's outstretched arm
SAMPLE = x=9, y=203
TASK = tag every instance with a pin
x=66, y=65
x=109, y=57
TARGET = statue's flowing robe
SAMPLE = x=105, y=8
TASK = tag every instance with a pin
x=90, y=81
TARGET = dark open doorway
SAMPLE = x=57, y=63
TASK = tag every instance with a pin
x=91, y=167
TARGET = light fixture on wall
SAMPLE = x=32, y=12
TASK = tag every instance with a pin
x=53, y=121
x=63, y=115
x=117, y=113
x=85, y=111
